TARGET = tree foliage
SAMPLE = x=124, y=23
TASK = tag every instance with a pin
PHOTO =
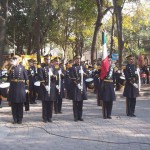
x=74, y=26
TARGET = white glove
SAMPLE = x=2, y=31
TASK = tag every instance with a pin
x=59, y=71
x=37, y=83
x=50, y=73
x=26, y=91
x=57, y=87
x=135, y=85
x=79, y=86
x=81, y=71
x=136, y=72
x=47, y=88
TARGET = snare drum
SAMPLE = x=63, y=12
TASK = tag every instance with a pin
x=90, y=83
x=4, y=89
x=122, y=80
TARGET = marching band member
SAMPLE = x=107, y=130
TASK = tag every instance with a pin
x=3, y=77
x=131, y=89
x=32, y=78
x=42, y=66
x=17, y=90
x=60, y=93
x=67, y=79
x=78, y=89
x=48, y=91
x=107, y=92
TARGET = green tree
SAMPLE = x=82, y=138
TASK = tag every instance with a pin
x=103, y=6
x=3, y=18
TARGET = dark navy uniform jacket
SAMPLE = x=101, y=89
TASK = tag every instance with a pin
x=32, y=72
x=107, y=92
x=18, y=83
x=131, y=77
x=44, y=77
x=62, y=92
x=75, y=77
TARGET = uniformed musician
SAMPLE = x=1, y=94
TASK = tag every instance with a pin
x=42, y=66
x=3, y=77
x=78, y=90
x=48, y=91
x=60, y=82
x=131, y=89
x=107, y=92
x=67, y=79
x=59, y=73
x=32, y=71
x=4, y=71
x=17, y=91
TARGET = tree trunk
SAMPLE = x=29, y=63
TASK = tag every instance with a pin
x=2, y=37
x=3, y=17
x=97, y=27
x=37, y=32
x=118, y=13
x=101, y=13
x=112, y=35
x=29, y=43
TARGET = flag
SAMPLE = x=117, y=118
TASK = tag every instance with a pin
x=105, y=60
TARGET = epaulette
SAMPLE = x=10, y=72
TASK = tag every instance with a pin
x=27, y=67
x=38, y=66
x=116, y=69
x=123, y=67
x=95, y=66
x=56, y=67
x=65, y=68
x=86, y=66
x=69, y=65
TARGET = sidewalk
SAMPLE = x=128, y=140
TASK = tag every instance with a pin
x=94, y=133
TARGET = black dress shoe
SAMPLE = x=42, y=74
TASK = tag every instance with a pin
x=80, y=119
x=34, y=103
x=104, y=117
x=49, y=120
x=45, y=121
x=14, y=122
x=75, y=120
x=59, y=112
x=20, y=122
x=109, y=117
x=132, y=115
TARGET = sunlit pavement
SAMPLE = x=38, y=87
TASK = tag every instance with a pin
x=94, y=133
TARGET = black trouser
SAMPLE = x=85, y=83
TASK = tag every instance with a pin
x=107, y=109
x=17, y=111
x=59, y=104
x=77, y=109
x=32, y=95
x=56, y=106
x=131, y=102
x=47, y=109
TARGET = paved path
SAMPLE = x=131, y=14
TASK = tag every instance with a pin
x=94, y=133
